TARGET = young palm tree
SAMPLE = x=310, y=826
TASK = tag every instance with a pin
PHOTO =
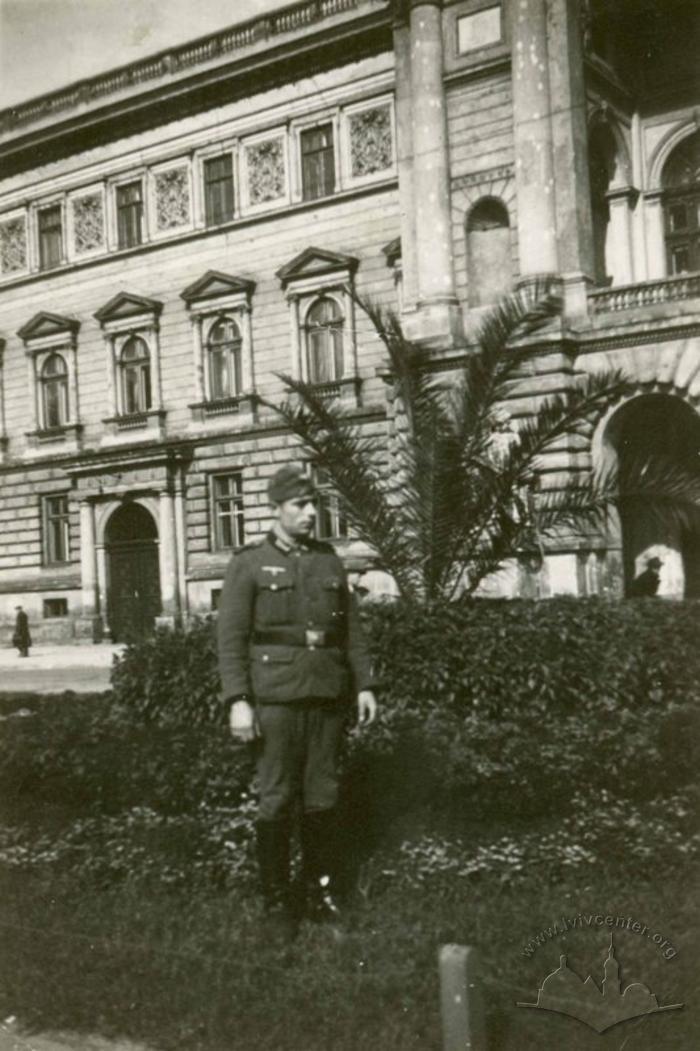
x=453, y=496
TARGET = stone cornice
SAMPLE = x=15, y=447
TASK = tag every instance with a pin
x=195, y=76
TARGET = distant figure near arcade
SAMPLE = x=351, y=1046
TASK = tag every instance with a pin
x=21, y=637
x=647, y=583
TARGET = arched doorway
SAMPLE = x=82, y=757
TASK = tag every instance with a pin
x=681, y=183
x=133, y=594
x=647, y=426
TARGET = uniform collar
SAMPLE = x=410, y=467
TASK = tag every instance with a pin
x=282, y=543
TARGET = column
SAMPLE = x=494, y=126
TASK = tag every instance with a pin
x=167, y=558
x=181, y=541
x=297, y=371
x=155, y=366
x=534, y=164
x=404, y=163
x=655, y=237
x=89, y=624
x=248, y=362
x=199, y=389
x=572, y=192
x=438, y=319
x=619, y=256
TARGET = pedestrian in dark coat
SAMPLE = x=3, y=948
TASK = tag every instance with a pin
x=647, y=583
x=21, y=637
x=293, y=660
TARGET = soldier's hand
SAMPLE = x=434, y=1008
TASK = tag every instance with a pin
x=242, y=721
x=366, y=707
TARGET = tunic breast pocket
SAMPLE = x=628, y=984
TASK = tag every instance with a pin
x=275, y=601
x=333, y=598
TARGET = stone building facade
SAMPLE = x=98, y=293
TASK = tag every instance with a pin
x=175, y=233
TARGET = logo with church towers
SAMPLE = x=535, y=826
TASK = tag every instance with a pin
x=566, y=993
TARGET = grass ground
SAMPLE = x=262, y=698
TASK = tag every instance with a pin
x=191, y=972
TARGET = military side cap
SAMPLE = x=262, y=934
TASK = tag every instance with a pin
x=289, y=483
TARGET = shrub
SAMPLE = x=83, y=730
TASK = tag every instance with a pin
x=171, y=678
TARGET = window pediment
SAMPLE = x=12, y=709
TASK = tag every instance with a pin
x=317, y=263
x=45, y=325
x=215, y=285
x=127, y=305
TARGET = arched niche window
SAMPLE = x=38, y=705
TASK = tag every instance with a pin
x=224, y=364
x=489, y=256
x=135, y=376
x=53, y=380
x=602, y=157
x=324, y=327
x=681, y=184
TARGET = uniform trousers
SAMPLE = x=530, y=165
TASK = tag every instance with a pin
x=298, y=756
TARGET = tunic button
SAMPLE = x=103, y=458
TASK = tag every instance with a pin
x=265, y=657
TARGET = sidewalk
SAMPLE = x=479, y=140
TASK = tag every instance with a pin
x=11, y=1039
x=53, y=669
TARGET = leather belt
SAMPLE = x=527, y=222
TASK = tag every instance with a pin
x=313, y=638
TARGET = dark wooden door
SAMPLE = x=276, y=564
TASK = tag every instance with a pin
x=134, y=590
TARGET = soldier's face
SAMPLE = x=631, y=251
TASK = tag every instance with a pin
x=298, y=516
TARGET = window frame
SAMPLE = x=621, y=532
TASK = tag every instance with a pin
x=328, y=508
x=331, y=328
x=142, y=366
x=329, y=169
x=120, y=208
x=236, y=513
x=50, y=553
x=61, y=380
x=233, y=349
x=686, y=238
x=46, y=260
x=207, y=161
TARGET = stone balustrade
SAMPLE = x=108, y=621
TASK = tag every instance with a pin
x=645, y=294
x=293, y=18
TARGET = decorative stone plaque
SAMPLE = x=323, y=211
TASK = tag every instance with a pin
x=370, y=141
x=172, y=198
x=13, y=245
x=266, y=175
x=88, y=223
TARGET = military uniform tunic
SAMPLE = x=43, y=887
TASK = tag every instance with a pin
x=288, y=625
x=290, y=639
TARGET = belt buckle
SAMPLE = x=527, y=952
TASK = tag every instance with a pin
x=314, y=638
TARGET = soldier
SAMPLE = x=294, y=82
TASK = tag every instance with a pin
x=291, y=655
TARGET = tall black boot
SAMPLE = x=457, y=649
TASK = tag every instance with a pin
x=319, y=841
x=273, y=862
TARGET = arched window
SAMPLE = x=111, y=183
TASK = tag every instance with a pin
x=489, y=256
x=681, y=183
x=224, y=345
x=324, y=341
x=54, y=392
x=135, y=369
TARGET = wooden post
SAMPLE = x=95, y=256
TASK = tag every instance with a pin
x=461, y=1004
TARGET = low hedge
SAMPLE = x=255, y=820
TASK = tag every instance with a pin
x=486, y=706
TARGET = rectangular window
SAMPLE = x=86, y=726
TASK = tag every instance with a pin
x=481, y=29
x=129, y=214
x=215, y=597
x=317, y=162
x=331, y=520
x=50, y=237
x=680, y=260
x=218, y=189
x=56, y=529
x=678, y=218
x=55, y=607
x=227, y=500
